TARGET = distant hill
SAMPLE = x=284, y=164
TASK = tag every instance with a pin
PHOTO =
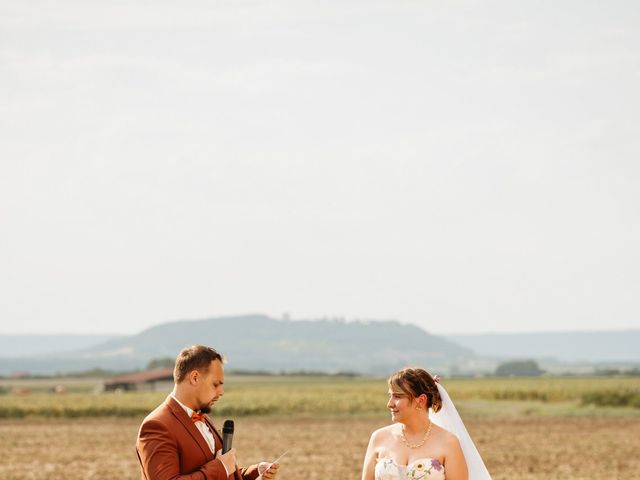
x=591, y=347
x=30, y=345
x=257, y=342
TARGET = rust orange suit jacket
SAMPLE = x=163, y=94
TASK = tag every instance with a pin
x=170, y=447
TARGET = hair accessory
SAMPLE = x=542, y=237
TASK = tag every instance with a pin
x=436, y=378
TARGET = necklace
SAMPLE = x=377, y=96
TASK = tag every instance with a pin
x=424, y=439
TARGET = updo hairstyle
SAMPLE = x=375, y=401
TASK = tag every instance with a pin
x=415, y=382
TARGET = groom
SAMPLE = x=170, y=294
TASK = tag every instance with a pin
x=178, y=441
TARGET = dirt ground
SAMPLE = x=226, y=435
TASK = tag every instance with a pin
x=521, y=449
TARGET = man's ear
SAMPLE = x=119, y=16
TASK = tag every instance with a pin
x=193, y=377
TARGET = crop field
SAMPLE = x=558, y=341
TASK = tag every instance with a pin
x=245, y=396
x=326, y=423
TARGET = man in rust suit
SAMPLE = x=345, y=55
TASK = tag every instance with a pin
x=177, y=441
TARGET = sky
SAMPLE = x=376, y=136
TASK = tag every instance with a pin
x=463, y=166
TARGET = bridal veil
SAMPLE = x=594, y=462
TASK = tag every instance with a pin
x=449, y=419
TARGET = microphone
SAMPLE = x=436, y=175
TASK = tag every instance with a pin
x=227, y=435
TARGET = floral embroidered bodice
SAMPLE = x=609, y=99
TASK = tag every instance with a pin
x=423, y=468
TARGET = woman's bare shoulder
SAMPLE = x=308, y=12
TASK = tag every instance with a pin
x=383, y=433
x=446, y=436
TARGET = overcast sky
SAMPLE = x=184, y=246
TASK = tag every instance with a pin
x=466, y=166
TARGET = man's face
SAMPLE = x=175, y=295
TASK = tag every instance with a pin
x=209, y=386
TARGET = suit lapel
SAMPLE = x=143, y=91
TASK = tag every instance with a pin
x=216, y=434
x=218, y=437
x=187, y=423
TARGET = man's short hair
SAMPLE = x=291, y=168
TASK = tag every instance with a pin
x=195, y=357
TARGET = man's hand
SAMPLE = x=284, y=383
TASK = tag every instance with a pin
x=269, y=471
x=228, y=459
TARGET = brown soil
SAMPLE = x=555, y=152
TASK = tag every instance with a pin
x=523, y=449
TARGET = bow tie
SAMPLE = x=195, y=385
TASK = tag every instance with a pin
x=198, y=417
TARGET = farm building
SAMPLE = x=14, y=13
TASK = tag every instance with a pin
x=158, y=380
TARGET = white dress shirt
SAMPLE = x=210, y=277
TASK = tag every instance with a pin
x=204, y=430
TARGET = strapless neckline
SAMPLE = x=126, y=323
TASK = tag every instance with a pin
x=424, y=460
x=422, y=468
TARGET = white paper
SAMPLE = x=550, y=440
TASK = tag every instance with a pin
x=278, y=459
x=275, y=461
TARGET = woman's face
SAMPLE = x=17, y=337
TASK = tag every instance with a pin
x=399, y=404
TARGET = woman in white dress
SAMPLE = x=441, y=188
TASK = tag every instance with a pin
x=420, y=445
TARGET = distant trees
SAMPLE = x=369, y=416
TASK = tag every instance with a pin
x=519, y=368
x=611, y=372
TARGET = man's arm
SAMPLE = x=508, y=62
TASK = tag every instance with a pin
x=158, y=455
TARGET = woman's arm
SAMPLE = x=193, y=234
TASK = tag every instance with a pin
x=454, y=463
x=369, y=466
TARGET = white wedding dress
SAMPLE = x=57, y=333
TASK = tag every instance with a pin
x=422, y=468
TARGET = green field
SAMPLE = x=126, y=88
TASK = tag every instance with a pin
x=331, y=396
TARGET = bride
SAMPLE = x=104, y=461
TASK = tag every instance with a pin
x=419, y=444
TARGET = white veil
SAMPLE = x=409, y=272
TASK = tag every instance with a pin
x=449, y=419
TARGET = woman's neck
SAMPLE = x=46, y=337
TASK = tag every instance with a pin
x=416, y=424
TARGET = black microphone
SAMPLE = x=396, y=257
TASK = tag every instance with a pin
x=227, y=435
